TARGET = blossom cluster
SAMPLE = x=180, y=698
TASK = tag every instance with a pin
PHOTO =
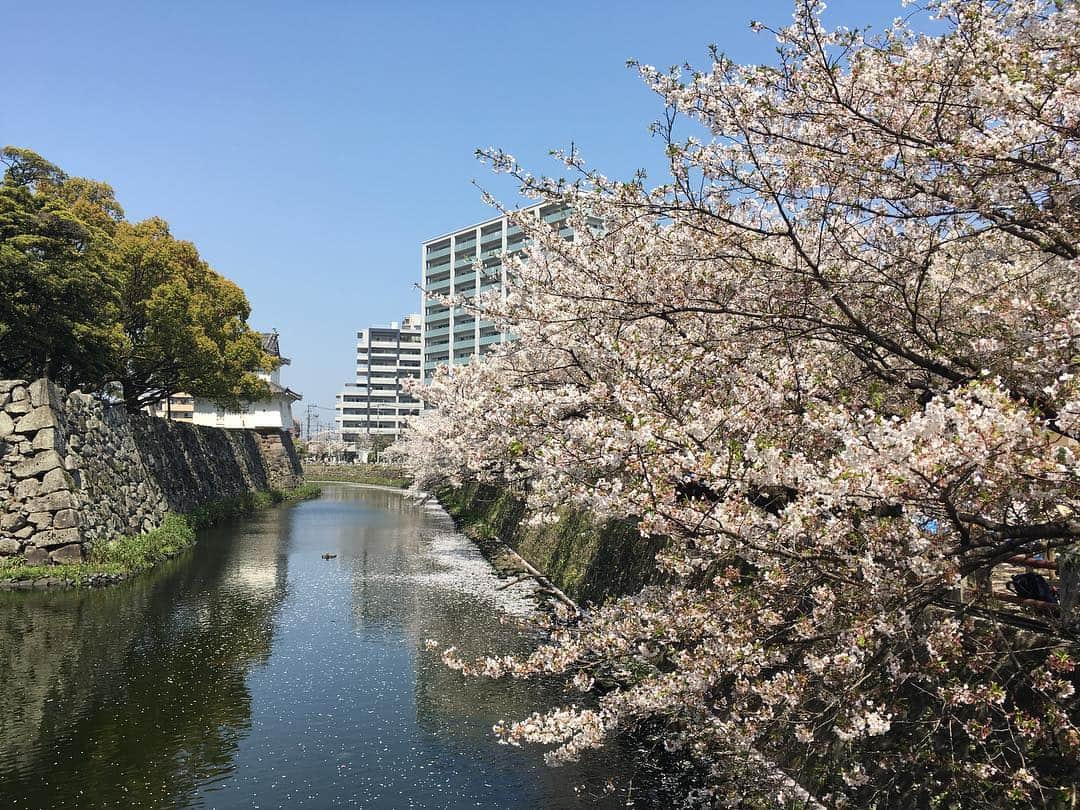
x=834, y=363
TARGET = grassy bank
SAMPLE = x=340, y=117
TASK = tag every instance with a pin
x=247, y=504
x=589, y=560
x=123, y=557
x=383, y=475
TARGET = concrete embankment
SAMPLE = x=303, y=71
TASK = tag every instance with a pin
x=588, y=560
x=75, y=471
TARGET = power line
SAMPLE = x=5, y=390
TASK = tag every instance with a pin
x=311, y=412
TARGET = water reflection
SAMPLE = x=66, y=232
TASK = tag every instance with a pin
x=252, y=672
x=136, y=696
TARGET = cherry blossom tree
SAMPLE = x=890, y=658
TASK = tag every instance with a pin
x=834, y=362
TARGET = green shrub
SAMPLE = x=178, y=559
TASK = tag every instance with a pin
x=303, y=492
x=140, y=551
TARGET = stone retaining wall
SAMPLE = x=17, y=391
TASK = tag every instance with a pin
x=74, y=470
x=591, y=561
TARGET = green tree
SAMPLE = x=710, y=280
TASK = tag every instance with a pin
x=89, y=299
x=185, y=325
x=58, y=291
x=380, y=442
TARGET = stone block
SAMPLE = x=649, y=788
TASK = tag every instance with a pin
x=18, y=407
x=19, y=393
x=12, y=521
x=7, y=425
x=43, y=393
x=27, y=488
x=56, y=537
x=37, y=419
x=47, y=439
x=25, y=533
x=72, y=553
x=41, y=462
x=42, y=520
x=9, y=546
x=66, y=519
x=6, y=386
x=36, y=556
x=53, y=502
x=54, y=481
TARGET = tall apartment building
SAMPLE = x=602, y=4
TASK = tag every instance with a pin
x=375, y=404
x=453, y=337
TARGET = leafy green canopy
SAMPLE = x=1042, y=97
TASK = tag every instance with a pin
x=186, y=326
x=92, y=300
x=58, y=288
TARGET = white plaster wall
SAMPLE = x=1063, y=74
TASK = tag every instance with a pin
x=275, y=412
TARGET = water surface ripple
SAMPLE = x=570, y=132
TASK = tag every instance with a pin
x=252, y=673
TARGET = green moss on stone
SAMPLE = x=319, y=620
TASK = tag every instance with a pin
x=590, y=560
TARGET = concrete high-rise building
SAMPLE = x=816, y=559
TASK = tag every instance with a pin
x=448, y=267
x=375, y=405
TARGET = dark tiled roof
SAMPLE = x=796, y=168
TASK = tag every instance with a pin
x=281, y=389
x=270, y=343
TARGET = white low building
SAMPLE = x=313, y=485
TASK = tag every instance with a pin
x=275, y=412
x=272, y=412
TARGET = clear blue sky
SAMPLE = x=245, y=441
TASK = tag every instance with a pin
x=308, y=148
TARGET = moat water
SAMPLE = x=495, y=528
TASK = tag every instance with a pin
x=253, y=673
